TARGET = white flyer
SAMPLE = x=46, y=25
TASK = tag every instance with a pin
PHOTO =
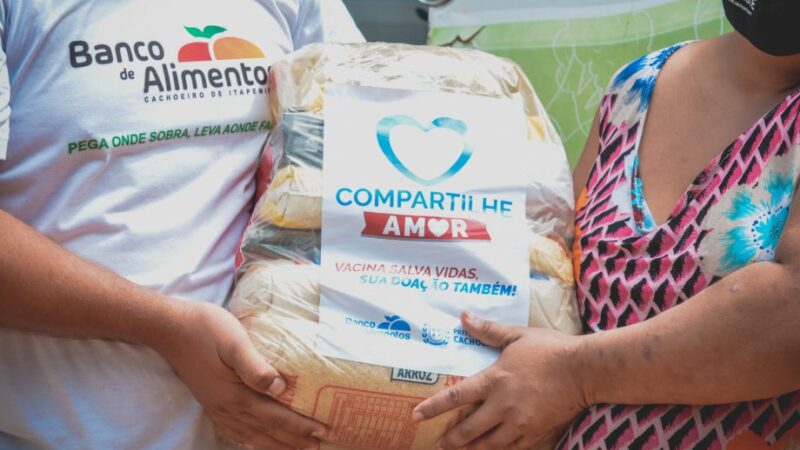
x=423, y=217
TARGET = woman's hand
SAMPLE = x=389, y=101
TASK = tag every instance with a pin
x=212, y=354
x=529, y=393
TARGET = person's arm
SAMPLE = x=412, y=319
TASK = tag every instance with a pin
x=736, y=340
x=46, y=289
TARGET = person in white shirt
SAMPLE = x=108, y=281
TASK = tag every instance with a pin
x=129, y=136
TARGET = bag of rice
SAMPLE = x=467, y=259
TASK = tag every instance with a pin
x=402, y=185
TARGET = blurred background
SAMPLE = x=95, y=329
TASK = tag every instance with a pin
x=390, y=20
x=569, y=49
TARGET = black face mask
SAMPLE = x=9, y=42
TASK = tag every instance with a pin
x=773, y=26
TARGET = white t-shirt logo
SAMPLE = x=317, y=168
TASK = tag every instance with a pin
x=187, y=75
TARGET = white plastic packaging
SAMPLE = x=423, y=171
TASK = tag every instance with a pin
x=277, y=293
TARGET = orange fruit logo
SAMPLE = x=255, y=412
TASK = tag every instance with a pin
x=221, y=48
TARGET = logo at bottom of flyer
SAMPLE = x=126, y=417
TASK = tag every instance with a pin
x=437, y=337
x=393, y=327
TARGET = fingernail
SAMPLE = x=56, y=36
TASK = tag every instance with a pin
x=277, y=387
x=468, y=316
x=319, y=434
x=417, y=416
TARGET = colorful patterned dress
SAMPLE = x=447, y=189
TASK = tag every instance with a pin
x=630, y=268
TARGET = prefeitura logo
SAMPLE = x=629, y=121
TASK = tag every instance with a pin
x=437, y=337
x=203, y=68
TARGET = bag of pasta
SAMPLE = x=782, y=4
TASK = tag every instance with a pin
x=401, y=185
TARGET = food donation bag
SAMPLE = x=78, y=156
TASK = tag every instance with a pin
x=399, y=186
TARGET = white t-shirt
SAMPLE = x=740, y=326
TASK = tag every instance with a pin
x=132, y=139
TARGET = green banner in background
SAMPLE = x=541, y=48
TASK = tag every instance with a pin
x=570, y=51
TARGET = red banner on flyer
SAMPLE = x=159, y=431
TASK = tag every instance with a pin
x=432, y=228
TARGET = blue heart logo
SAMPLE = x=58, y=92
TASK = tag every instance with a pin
x=385, y=127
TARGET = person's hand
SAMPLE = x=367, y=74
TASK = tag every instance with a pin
x=210, y=351
x=530, y=392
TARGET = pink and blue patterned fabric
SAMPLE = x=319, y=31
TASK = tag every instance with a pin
x=630, y=268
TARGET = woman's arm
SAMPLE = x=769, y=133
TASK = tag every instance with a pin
x=736, y=340
x=46, y=289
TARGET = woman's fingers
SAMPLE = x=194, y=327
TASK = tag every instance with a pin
x=472, y=427
x=475, y=388
x=490, y=333
x=529, y=391
x=471, y=390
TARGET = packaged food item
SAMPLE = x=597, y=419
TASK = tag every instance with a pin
x=287, y=282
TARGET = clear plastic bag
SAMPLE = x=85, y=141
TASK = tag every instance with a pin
x=277, y=292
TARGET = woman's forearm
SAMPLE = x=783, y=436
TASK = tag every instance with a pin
x=44, y=288
x=737, y=340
